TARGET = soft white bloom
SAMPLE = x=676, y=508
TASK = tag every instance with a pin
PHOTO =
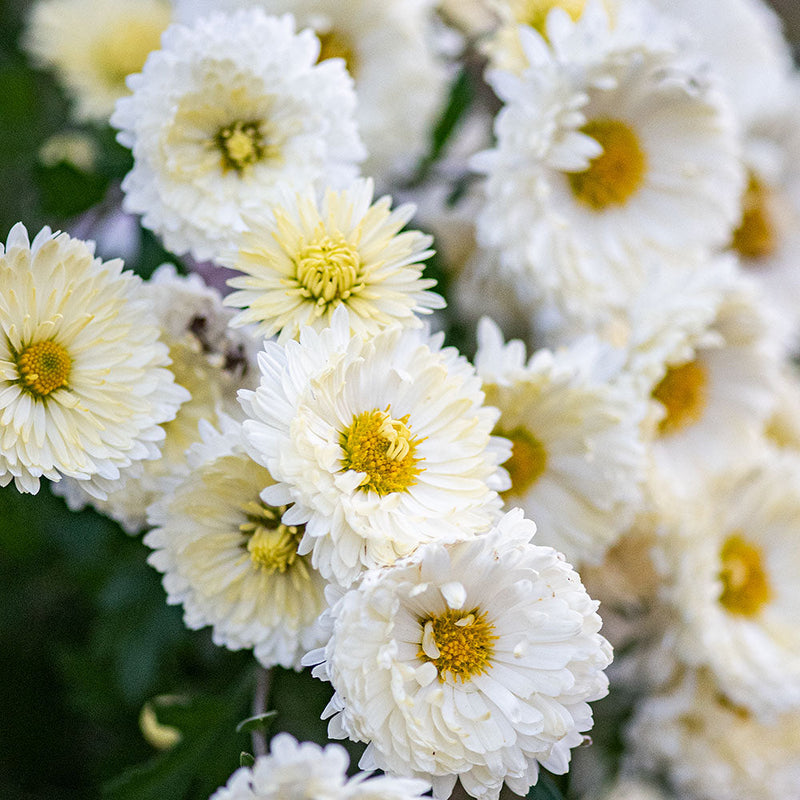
x=712, y=748
x=229, y=560
x=630, y=788
x=613, y=149
x=381, y=444
x=473, y=661
x=306, y=771
x=309, y=256
x=83, y=384
x=209, y=360
x=389, y=49
x=731, y=564
x=93, y=45
x=220, y=116
x=577, y=464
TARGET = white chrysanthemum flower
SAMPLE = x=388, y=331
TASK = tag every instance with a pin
x=731, y=572
x=713, y=749
x=309, y=257
x=306, y=771
x=630, y=788
x=474, y=661
x=389, y=50
x=381, y=444
x=229, y=560
x=612, y=149
x=83, y=384
x=223, y=114
x=783, y=426
x=578, y=458
x=209, y=360
x=93, y=45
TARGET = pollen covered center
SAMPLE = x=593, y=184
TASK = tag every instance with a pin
x=241, y=145
x=755, y=237
x=534, y=12
x=745, y=589
x=614, y=176
x=335, y=44
x=458, y=642
x=272, y=545
x=44, y=367
x=328, y=269
x=682, y=392
x=528, y=460
x=383, y=448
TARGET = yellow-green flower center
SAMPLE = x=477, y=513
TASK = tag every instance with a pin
x=241, y=144
x=271, y=544
x=458, y=642
x=334, y=44
x=383, y=448
x=328, y=269
x=755, y=237
x=534, y=12
x=614, y=176
x=528, y=460
x=123, y=50
x=682, y=392
x=43, y=367
x=745, y=589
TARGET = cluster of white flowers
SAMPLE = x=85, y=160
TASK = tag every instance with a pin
x=325, y=482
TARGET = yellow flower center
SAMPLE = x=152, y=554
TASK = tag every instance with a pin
x=682, y=392
x=44, y=367
x=123, y=51
x=334, y=44
x=241, y=145
x=745, y=590
x=328, y=269
x=271, y=544
x=755, y=237
x=458, y=642
x=614, y=176
x=528, y=460
x=383, y=449
x=534, y=12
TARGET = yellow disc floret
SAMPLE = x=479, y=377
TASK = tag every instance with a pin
x=682, y=392
x=534, y=12
x=745, y=589
x=241, y=145
x=614, y=176
x=43, y=367
x=271, y=544
x=334, y=44
x=458, y=642
x=755, y=237
x=383, y=449
x=528, y=460
x=328, y=269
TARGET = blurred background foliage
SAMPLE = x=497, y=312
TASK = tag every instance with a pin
x=86, y=638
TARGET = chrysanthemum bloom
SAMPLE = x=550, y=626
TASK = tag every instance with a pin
x=578, y=458
x=389, y=49
x=306, y=771
x=710, y=748
x=93, y=45
x=309, y=257
x=381, y=444
x=220, y=116
x=473, y=661
x=612, y=147
x=83, y=384
x=731, y=569
x=209, y=359
x=229, y=560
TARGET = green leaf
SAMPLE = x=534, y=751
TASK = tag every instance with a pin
x=260, y=722
x=246, y=760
